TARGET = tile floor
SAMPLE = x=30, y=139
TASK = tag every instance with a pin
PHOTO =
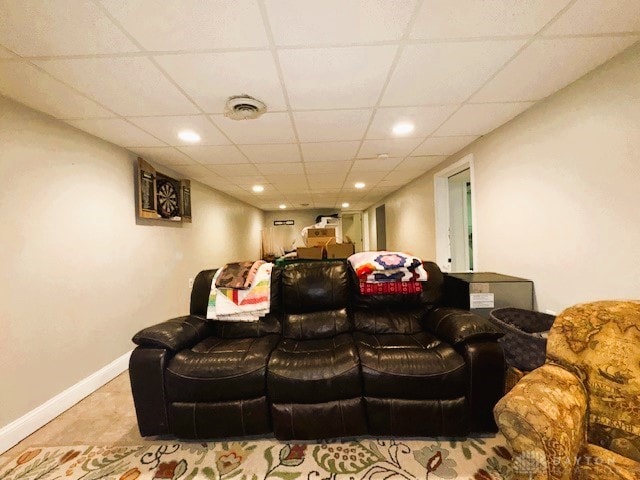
x=106, y=417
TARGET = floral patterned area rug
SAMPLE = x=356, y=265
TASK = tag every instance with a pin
x=383, y=459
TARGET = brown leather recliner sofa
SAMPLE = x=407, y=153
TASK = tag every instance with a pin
x=325, y=362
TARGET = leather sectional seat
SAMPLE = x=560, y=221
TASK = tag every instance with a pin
x=326, y=362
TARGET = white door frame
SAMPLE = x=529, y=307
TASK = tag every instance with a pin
x=441, y=198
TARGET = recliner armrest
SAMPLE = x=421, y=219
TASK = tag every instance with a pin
x=175, y=334
x=457, y=326
x=544, y=420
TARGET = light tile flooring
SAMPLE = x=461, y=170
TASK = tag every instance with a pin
x=106, y=417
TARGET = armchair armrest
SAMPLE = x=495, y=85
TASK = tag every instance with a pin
x=460, y=326
x=175, y=334
x=543, y=418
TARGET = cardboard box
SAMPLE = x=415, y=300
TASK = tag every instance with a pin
x=310, y=253
x=319, y=237
x=340, y=250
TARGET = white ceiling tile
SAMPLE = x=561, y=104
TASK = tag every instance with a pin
x=296, y=184
x=167, y=129
x=63, y=27
x=315, y=78
x=325, y=191
x=167, y=156
x=217, y=182
x=116, y=130
x=281, y=168
x=422, y=163
x=425, y=119
x=547, y=65
x=25, y=83
x=211, y=78
x=131, y=86
x=389, y=184
x=443, y=73
x=248, y=181
x=309, y=22
x=334, y=125
x=369, y=178
x=6, y=53
x=375, y=165
x=403, y=176
x=172, y=25
x=341, y=167
x=598, y=16
x=230, y=188
x=396, y=147
x=439, y=19
x=215, y=154
x=329, y=151
x=479, y=119
x=326, y=180
x=196, y=172
x=269, y=128
x=274, y=153
x=289, y=179
x=238, y=170
x=443, y=145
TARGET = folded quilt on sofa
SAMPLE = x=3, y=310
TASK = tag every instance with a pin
x=238, y=274
x=390, y=288
x=401, y=271
x=240, y=304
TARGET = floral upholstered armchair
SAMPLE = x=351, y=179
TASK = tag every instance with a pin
x=578, y=416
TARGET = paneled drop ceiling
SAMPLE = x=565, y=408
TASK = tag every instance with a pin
x=336, y=76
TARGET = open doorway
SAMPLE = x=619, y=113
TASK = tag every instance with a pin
x=381, y=228
x=352, y=229
x=455, y=217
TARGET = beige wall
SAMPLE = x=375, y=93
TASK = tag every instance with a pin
x=556, y=192
x=79, y=276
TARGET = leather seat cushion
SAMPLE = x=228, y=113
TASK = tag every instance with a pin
x=218, y=369
x=313, y=371
x=417, y=366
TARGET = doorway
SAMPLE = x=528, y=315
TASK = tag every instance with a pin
x=455, y=211
x=352, y=229
x=381, y=228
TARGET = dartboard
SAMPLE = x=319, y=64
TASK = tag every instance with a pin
x=167, y=199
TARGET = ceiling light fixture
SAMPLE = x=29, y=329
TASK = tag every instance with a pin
x=189, y=136
x=258, y=188
x=359, y=185
x=345, y=205
x=282, y=206
x=403, y=128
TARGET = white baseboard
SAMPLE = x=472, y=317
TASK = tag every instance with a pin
x=24, y=426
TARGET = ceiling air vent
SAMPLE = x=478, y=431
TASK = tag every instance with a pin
x=244, y=107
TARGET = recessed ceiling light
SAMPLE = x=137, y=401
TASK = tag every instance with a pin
x=359, y=185
x=189, y=136
x=345, y=205
x=282, y=206
x=258, y=188
x=403, y=128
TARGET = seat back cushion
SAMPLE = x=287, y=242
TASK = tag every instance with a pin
x=396, y=313
x=315, y=297
x=600, y=342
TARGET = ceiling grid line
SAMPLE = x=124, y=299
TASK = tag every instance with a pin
x=516, y=54
x=336, y=75
x=276, y=59
x=174, y=83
